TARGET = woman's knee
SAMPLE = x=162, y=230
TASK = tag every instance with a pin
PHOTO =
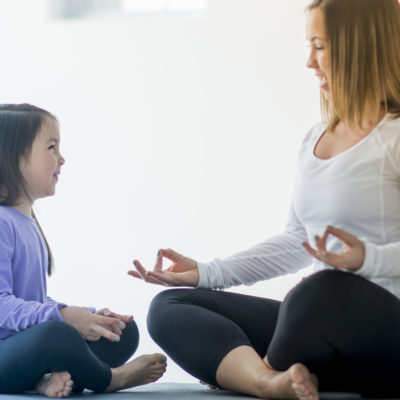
x=321, y=292
x=161, y=307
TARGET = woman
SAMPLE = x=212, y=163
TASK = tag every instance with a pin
x=339, y=329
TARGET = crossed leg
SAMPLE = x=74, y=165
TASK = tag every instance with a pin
x=330, y=334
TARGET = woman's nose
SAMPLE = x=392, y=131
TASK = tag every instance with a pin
x=311, y=62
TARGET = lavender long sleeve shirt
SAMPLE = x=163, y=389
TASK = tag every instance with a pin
x=23, y=266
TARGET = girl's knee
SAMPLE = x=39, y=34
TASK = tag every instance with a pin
x=56, y=337
x=58, y=329
x=131, y=335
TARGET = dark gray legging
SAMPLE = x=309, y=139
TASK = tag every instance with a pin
x=56, y=346
x=344, y=328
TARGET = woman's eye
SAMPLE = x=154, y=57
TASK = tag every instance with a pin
x=314, y=47
x=52, y=147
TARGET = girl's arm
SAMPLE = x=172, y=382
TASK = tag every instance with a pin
x=16, y=313
x=49, y=300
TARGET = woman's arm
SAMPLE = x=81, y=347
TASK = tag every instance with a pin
x=277, y=256
x=361, y=257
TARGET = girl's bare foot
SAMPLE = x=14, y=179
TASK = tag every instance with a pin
x=140, y=371
x=56, y=384
x=304, y=384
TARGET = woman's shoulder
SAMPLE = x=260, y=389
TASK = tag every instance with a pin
x=315, y=132
x=312, y=136
x=388, y=130
x=388, y=136
x=390, y=124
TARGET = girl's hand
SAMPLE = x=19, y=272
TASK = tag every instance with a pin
x=92, y=326
x=183, y=271
x=107, y=313
x=351, y=258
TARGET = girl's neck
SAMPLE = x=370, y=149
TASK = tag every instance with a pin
x=25, y=207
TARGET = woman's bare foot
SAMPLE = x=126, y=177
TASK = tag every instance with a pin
x=56, y=384
x=209, y=385
x=304, y=384
x=140, y=371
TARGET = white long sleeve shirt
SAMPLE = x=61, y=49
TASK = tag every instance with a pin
x=357, y=190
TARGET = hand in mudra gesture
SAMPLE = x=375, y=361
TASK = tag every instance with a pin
x=183, y=271
x=351, y=258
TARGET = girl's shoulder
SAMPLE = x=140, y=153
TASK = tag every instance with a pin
x=11, y=217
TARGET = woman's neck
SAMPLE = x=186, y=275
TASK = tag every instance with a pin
x=366, y=127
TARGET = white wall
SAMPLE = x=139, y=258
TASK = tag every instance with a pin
x=179, y=131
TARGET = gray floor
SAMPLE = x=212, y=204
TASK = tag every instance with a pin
x=170, y=391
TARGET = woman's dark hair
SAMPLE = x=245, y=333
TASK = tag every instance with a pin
x=19, y=126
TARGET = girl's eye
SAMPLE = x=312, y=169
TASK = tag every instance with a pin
x=52, y=147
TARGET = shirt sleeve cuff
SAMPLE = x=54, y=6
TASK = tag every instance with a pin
x=57, y=311
x=368, y=269
x=203, y=280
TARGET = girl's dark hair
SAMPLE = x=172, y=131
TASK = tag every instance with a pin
x=19, y=126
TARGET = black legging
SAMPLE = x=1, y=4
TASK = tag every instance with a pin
x=344, y=328
x=55, y=346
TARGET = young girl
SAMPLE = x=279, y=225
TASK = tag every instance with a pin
x=45, y=344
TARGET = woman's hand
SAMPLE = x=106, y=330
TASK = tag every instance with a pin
x=351, y=258
x=93, y=326
x=183, y=271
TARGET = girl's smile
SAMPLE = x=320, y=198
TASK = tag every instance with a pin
x=41, y=169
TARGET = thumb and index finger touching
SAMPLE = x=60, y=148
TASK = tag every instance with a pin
x=341, y=234
x=141, y=272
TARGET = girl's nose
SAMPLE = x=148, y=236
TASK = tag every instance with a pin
x=61, y=160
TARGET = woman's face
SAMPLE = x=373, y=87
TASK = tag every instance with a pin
x=318, y=58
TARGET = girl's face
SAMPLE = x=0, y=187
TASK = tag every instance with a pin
x=318, y=58
x=42, y=167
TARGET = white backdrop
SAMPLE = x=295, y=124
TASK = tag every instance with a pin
x=179, y=131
